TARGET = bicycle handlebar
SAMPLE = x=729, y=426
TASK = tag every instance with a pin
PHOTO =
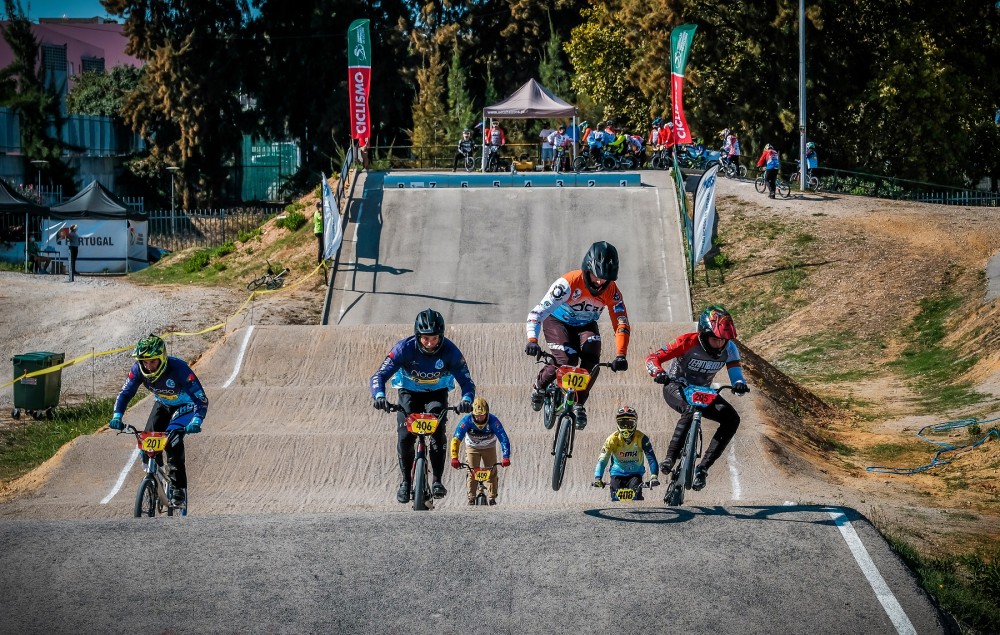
x=395, y=407
x=549, y=358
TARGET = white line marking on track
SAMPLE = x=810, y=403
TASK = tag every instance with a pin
x=663, y=258
x=121, y=478
x=357, y=223
x=734, y=474
x=875, y=579
x=239, y=358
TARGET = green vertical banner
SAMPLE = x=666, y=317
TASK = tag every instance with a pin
x=680, y=46
x=359, y=78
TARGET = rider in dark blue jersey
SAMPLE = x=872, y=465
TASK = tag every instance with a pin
x=181, y=404
x=423, y=368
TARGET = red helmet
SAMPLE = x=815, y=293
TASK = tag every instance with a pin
x=717, y=322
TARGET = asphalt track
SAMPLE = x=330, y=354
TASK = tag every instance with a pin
x=293, y=524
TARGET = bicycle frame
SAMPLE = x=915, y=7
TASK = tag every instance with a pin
x=682, y=477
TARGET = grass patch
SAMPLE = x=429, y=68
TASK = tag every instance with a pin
x=966, y=586
x=246, y=235
x=887, y=452
x=223, y=250
x=197, y=261
x=25, y=447
x=840, y=448
x=802, y=240
x=932, y=367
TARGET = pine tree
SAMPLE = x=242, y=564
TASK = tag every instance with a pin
x=460, y=107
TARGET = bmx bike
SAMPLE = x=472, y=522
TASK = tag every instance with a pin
x=154, y=491
x=682, y=476
x=424, y=425
x=481, y=475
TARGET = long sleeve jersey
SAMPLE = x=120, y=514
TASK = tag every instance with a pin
x=479, y=439
x=568, y=300
x=465, y=146
x=177, y=387
x=689, y=360
x=626, y=456
x=769, y=160
x=412, y=370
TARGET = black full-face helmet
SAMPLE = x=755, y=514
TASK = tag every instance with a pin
x=429, y=322
x=602, y=261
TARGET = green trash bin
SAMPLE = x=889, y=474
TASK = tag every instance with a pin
x=36, y=395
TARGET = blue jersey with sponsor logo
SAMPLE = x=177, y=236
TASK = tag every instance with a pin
x=177, y=387
x=415, y=371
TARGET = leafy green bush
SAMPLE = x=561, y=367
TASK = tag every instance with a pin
x=198, y=261
x=219, y=266
x=223, y=250
x=246, y=235
x=294, y=207
x=292, y=221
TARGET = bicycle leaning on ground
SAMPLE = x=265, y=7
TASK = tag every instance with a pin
x=154, y=490
x=682, y=477
x=557, y=405
x=269, y=280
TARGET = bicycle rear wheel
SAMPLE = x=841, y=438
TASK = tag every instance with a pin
x=470, y=163
x=275, y=283
x=561, y=451
x=420, y=494
x=549, y=409
x=741, y=171
x=813, y=184
x=145, y=499
x=760, y=184
x=255, y=284
x=782, y=189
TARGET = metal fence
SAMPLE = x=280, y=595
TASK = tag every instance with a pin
x=205, y=227
x=440, y=156
x=863, y=184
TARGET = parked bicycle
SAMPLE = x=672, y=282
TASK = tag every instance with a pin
x=781, y=188
x=812, y=182
x=269, y=280
x=494, y=163
x=682, y=477
x=154, y=491
x=482, y=476
x=471, y=161
x=557, y=406
x=422, y=424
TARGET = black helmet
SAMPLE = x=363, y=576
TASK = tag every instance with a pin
x=429, y=322
x=602, y=261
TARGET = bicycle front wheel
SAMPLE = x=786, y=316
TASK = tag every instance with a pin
x=275, y=283
x=813, y=183
x=741, y=172
x=420, y=493
x=145, y=499
x=561, y=451
x=470, y=163
x=760, y=184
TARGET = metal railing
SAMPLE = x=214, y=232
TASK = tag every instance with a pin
x=440, y=156
x=878, y=186
x=205, y=227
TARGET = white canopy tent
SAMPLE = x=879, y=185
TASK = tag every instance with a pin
x=531, y=101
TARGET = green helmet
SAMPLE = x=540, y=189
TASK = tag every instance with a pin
x=151, y=347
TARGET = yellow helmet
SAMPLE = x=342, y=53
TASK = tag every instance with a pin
x=480, y=412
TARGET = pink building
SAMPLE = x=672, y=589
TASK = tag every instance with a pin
x=69, y=47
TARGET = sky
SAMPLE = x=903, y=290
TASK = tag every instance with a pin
x=58, y=8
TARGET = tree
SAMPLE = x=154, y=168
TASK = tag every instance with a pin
x=551, y=71
x=99, y=93
x=460, y=107
x=187, y=104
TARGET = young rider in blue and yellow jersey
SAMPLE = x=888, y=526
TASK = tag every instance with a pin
x=625, y=449
x=568, y=315
x=181, y=405
x=480, y=429
x=423, y=368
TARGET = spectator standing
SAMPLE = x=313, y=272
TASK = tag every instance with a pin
x=74, y=248
x=318, y=230
x=546, y=145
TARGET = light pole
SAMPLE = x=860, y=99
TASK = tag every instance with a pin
x=39, y=164
x=173, y=214
x=802, y=95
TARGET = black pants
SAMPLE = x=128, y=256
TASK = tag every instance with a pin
x=319, y=247
x=159, y=420
x=73, y=251
x=572, y=345
x=434, y=402
x=631, y=481
x=459, y=158
x=771, y=178
x=720, y=410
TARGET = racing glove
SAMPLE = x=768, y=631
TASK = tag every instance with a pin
x=116, y=422
x=194, y=427
x=505, y=462
x=380, y=404
x=740, y=388
x=455, y=463
x=464, y=407
x=532, y=349
x=599, y=483
x=619, y=363
x=662, y=378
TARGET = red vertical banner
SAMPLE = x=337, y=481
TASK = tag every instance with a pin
x=680, y=46
x=359, y=78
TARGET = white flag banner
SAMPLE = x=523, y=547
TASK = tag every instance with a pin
x=333, y=231
x=704, y=215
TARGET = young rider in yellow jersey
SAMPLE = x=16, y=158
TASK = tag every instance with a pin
x=568, y=315
x=624, y=449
